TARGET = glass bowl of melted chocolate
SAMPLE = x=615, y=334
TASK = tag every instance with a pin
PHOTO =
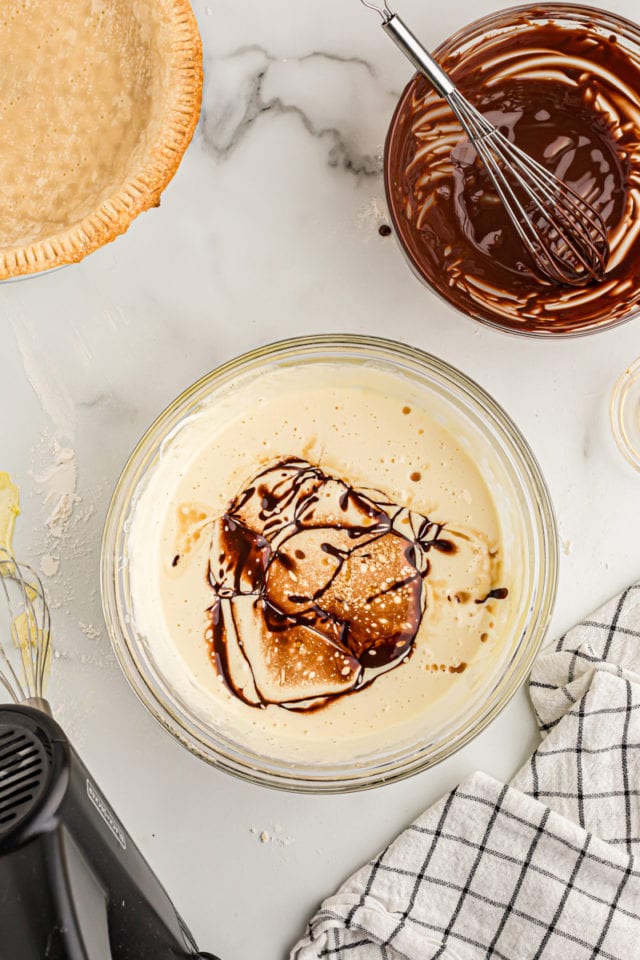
x=563, y=83
x=329, y=564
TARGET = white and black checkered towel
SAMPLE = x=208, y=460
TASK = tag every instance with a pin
x=543, y=868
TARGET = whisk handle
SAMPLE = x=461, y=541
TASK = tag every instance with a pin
x=422, y=60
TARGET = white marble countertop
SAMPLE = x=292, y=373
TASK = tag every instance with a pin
x=269, y=230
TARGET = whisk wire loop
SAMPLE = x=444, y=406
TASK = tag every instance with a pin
x=8, y=676
x=562, y=232
x=29, y=640
x=385, y=11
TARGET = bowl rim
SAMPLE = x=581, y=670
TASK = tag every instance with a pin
x=626, y=390
x=322, y=778
x=461, y=36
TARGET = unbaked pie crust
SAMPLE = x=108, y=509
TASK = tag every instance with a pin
x=98, y=102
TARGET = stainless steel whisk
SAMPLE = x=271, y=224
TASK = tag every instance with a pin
x=25, y=633
x=565, y=237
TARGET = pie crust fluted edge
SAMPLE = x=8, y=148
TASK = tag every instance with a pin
x=142, y=191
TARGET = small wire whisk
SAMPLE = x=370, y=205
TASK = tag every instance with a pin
x=25, y=633
x=565, y=237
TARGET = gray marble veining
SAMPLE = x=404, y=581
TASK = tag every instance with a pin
x=270, y=230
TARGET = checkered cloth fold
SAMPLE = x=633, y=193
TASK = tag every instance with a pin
x=543, y=868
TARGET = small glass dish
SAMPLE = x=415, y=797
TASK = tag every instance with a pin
x=423, y=135
x=625, y=414
x=528, y=533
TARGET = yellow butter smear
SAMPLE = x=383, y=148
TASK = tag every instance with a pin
x=29, y=639
x=9, y=511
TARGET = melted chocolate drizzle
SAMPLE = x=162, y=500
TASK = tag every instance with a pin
x=319, y=587
x=500, y=593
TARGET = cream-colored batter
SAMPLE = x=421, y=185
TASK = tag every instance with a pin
x=376, y=430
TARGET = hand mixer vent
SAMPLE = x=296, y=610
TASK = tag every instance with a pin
x=24, y=766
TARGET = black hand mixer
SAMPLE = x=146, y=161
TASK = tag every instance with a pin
x=73, y=886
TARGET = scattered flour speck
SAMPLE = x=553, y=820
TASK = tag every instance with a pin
x=371, y=214
x=49, y=565
x=275, y=836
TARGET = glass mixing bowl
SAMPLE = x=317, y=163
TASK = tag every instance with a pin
x=528, y=536
x=423, y=134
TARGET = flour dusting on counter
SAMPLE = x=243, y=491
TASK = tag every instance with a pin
x=59, y=486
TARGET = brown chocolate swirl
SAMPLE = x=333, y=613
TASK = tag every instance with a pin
x=319, y=586
x=569, y=95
